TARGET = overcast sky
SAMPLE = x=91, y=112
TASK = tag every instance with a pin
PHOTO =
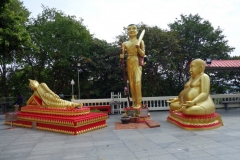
x=106, y=18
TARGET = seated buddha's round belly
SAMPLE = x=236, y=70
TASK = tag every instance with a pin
x=192, y=93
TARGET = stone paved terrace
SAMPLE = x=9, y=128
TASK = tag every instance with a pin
x=167, y=142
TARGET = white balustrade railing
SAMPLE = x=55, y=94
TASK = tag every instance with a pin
x=159, y=103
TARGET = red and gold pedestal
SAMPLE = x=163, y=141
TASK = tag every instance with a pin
x=68, y=121
x=195, y=122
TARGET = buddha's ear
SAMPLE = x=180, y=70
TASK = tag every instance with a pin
x=201, y=68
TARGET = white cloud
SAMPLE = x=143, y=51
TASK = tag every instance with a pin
x=106, y=18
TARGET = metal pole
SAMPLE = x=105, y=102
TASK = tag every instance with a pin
x=72, y=83
x=78, y=86
x=78, y=69
x=72, y=89
x=72, y=92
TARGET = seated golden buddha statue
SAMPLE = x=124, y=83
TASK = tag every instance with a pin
x=49, y=98
x=194, y=99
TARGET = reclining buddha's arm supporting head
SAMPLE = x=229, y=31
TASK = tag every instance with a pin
x=33, y=84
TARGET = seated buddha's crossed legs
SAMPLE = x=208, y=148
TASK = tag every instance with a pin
x=194, y=110
x=199, y=110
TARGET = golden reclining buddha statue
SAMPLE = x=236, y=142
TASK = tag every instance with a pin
x=48, y=98
x=47, y=111
x=195, y=99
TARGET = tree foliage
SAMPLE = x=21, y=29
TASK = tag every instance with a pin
x=3, y=4
x=62, y=41
x=105, y=70
x=198, y=39
x=13, y=37
x=49, y=47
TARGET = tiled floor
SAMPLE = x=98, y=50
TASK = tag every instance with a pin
x=167, y=142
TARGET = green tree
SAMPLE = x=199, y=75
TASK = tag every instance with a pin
x=13, y=37
x=2, y=4
x=62, y=41
x=198, y=38
x=105, y=73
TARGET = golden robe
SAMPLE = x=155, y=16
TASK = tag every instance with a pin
x=134, y=71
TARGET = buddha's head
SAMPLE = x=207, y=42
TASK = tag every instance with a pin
x=197, y=67
x=132, y=30
x=33, y=84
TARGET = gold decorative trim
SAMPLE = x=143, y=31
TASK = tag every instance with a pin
x=58, y=130
x=56, y=112
x=47, y=121
x=90, y=121
x=197, y=121
x=92, y=129
x=71, y=132
x=55, y=130
x=196, y=129
x=62, y=122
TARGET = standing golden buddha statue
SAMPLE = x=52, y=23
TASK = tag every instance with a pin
x=134, y=70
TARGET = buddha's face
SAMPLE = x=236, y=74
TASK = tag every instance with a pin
x=33, y=84
x=195, y=69
x=132, y=30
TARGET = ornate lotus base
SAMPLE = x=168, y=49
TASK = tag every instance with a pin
x=63, y=124
x=195, y=122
